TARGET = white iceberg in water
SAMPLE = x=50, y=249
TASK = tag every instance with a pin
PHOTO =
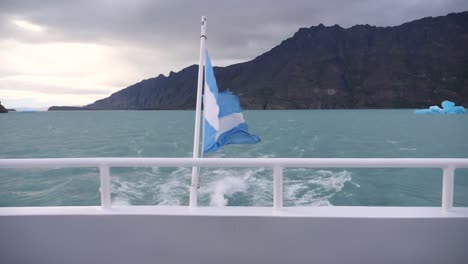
x=448, y=107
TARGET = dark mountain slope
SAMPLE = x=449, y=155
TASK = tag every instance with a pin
x=416, y=64
x=3, y=109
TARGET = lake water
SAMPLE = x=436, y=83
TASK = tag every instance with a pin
x=308, y=133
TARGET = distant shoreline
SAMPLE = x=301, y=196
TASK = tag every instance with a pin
x=66, y=108
x=145, y=110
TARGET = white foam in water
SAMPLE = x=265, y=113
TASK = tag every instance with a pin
x=225, y=187
x=407, y=149
x=125, y=191
x=316, y=191
x=152, y=187
x=120, y=202
x=308, y=187
x=300, y=194
x=299, y=149
x=267, y=156
x=262, y=193
x=331, y=181
x=221, y=184
x=155, y=170
x=172, y=191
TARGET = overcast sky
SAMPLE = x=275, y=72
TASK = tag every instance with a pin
x=74, y=52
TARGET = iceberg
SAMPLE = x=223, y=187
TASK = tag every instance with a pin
x=448, y=107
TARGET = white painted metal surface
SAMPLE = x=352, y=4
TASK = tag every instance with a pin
x=447, y=187
x=196, y=137
x=326, y=235
x=448, y=166
x=278, y=187
x=373, y=212
x=238, y=162
x=104, y=173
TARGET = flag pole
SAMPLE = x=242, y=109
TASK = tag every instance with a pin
x=196, y=140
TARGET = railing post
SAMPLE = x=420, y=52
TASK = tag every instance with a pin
x=104, y=172
x=277, y=187
x=447, y=188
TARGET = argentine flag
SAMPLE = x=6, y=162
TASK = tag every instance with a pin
x=224, y=122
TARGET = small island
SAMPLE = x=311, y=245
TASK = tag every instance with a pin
x=65, y=108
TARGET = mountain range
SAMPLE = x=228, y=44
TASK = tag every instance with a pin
x=413, y=65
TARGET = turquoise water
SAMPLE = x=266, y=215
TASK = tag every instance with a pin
x=310, y=133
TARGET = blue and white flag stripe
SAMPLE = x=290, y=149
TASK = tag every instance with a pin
x=210, y=105
x=228, y=122
x=224, y=122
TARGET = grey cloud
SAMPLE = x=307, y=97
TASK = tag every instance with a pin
x=142, y=30
x=13, y=85
x=232, y=25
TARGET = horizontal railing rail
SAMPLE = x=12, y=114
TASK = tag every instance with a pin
x=277, y=164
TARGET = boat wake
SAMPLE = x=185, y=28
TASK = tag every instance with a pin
x=314, y=187
x=228, y=187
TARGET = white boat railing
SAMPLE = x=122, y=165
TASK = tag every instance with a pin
x=277, y=164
